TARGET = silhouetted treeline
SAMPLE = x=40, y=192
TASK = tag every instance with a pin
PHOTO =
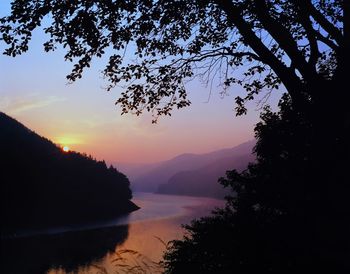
x=286, y=214
x=43, y=186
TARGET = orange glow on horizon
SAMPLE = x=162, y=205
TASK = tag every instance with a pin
x=65, y=149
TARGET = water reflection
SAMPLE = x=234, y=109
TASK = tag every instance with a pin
x=132, y=244
x=66, y=252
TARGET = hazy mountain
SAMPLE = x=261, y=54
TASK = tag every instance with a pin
x=43, y=186
x=136, y=170
x=204, y=181
x=164, y=171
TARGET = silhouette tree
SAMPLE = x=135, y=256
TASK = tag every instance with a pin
x=290, y=209
x=283, y=216
x=302, y=44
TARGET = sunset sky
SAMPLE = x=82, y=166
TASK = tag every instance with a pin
x=83, y=116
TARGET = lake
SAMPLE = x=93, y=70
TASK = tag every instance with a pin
x=137, y=240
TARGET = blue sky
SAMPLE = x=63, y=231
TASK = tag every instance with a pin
x=82, y=115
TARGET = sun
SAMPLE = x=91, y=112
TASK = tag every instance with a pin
x=65, y=149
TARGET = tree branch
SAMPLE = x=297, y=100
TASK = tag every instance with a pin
x=290, y=80
x=243, y=54
x=286, y=41
x=310, y=33
x=324, y=23
x=326, y=41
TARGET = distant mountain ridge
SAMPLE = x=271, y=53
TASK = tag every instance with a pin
x=42, y=186
x=204, y=181
x=165, y=176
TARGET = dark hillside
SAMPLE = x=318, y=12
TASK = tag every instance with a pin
x=43, y=186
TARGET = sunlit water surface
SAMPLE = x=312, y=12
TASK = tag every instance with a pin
x=127, y=244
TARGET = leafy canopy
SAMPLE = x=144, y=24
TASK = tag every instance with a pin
x=291, y=42
x=287, y=212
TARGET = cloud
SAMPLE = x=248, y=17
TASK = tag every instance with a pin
x=25, y=103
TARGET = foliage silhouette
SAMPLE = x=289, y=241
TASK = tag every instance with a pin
x=286, y=215
x=291, y=209
x=42, y=186
x=302, y=44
